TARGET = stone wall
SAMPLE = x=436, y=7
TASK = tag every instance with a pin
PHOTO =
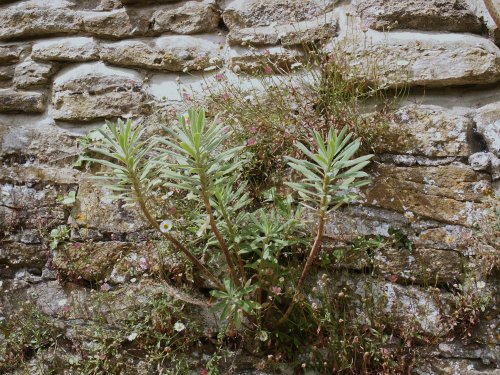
x=66, y=65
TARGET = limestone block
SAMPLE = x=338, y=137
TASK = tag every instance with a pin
x=93, y=92
x=18, y=255
x=419, y=59
x=76, y=49
x=487, y=120
x=7, y=72
x=191, y=17
x=39, y=140
x=435, y=15
x=32, y=74
x=21, y=101
x=419, y=266
x=10, y=53
x=450, y=194
x=426, y=130
x=297, y=34
x=95, y=210
x=119, y=23
x=268, y=61
x=169, y=53
x=254, y=13
x=30, y=19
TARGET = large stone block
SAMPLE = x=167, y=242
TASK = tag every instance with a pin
x=427, y=130
x=21, y=101
x=10, y=53
x=30, y=19
x=190, y=17
x=418, y=59
x=285, y=22
x=95, y=210
x=76, y=49
x=169, y=53
x=450, y=194
x=119, y=23
x=30, y=74
x=439, y=15
x=93, y=92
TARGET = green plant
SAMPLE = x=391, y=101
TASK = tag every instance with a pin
x=194, y=157
x=233, y=304
x=58, y=235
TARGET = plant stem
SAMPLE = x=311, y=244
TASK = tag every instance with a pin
x=236, y=245
x=307, y=267
x=213, y=225
x=178, y=246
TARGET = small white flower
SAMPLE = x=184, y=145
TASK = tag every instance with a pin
x=296, y=65
x=132, y=336
x=480, y=284
x=210, y=68
x=169, y=194
x=166, y=226
x=179, y=326
x=185, y=70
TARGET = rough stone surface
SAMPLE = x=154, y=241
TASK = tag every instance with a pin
x=435, y=15
x=30, y=19
x=450, y=194
x=419, y=59
x=170, y=53
x=76, y=49
x=21, y=101
x=190, y=17
x=30, y=74
x=427, y=130
x=9, y=53
x=487, y=120
x=96, y=96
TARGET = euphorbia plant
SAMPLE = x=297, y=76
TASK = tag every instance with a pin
x=193, y=157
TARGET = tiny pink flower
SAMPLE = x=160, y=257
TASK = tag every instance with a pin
x=251, y=142
x=105, y=287
x=268, y=70
x=186, y=97
x=203, y=371
x=220, y=77
x=276, y=290
x=77, y=245
x=253, y=130
x=226, y=96
x=266, y=52
x=66, y=309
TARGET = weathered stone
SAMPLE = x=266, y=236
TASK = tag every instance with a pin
x=119, y=23
x=273, y=60
x=170, y=53
x=9, y=53
x=7, y=72
x=254, y=13
x=83, y=95
x=92, y=261
x=487, y=120
x=37, y=141
x=69, y=49
x=445, y=193
x=419, y=59
x=297, y=34
x=29, y=207
x=27, y=19
x=143, y=2
x=32, y=74
x=39, y=173
x=50, y=297
x=427, y=130
x=18, y=255
x=419, y=266
x=438, y=15
x=454, y=366
x=450, y=237
x=190, y=17
x=480, y=9
x=94, y=210
x=21, y=101
x=480, y=161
